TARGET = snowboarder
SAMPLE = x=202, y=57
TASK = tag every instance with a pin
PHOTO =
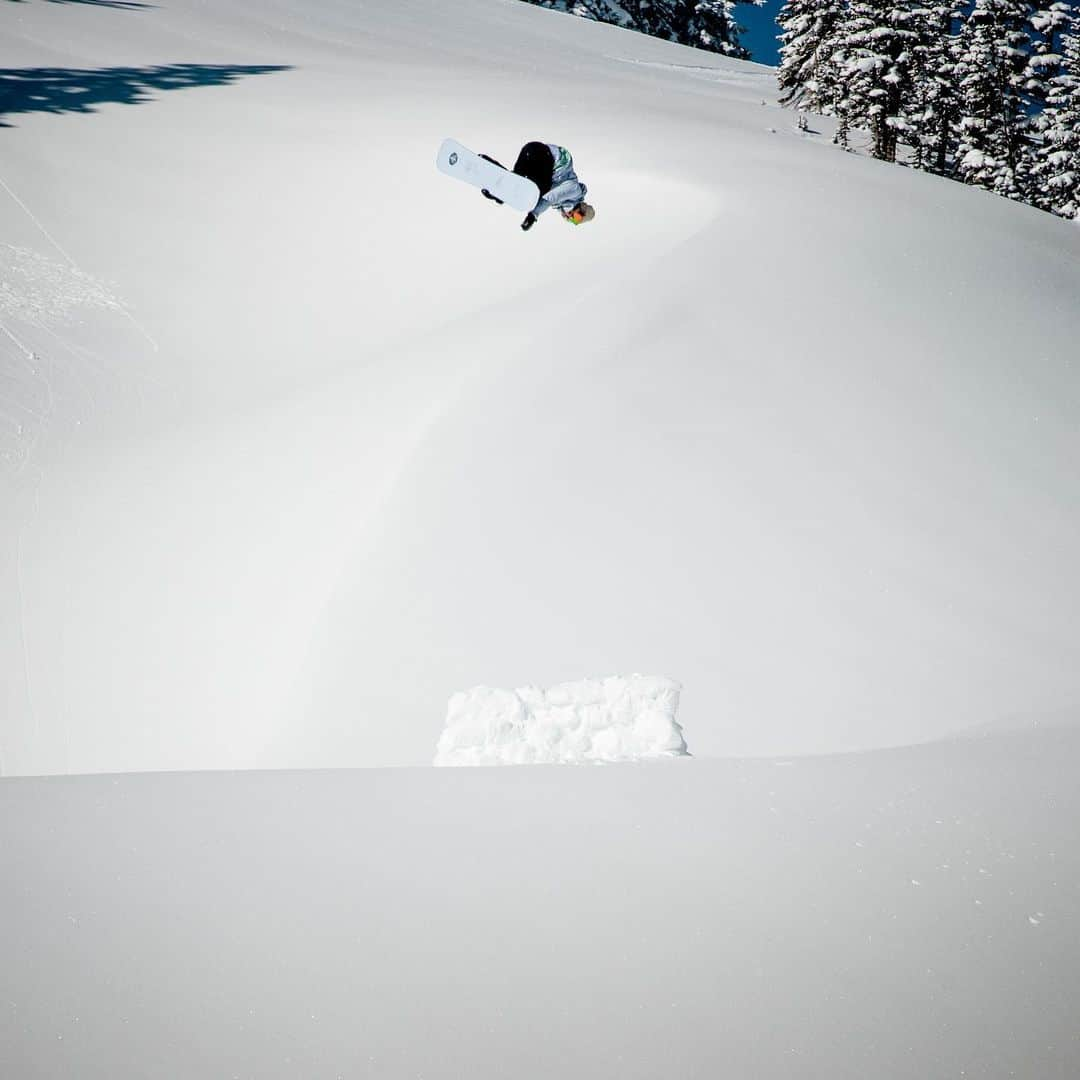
x=551, y=169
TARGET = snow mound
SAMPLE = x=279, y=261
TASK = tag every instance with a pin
x=620, y=718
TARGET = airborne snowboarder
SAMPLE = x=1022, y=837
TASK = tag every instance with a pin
x=551, y=169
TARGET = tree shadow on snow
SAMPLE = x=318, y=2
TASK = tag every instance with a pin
x=123, y=5
x=64, y=90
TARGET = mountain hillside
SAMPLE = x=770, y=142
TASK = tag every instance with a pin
x=300, y=437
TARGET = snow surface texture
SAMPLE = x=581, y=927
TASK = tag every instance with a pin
x=621, y=718
x=895, y=915
x=797, y=425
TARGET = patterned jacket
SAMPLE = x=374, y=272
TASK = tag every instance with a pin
x=566, y=189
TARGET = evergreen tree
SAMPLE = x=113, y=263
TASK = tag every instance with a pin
x=990, y=72
x=1044, y=62
x=935, y=112
x=810, y=32
x=1055, y=170
x=704, y=24
x=833, y=84
x=879, y=47
x=985, y=90
x=1044, y=66
x=708, y=24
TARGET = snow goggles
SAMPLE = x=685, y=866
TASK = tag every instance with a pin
x=576, y=216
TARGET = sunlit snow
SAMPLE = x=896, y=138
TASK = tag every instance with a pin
x=630, y=718
x=300, y=438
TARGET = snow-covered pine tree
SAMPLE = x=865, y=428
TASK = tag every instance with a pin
x=704, y=24
x=879, y=46
x=935, y=102
x=809, y=36
x=709, y=24
x=1044, y=63
x=991, y=64
x=1043, y=68
x=599, y=10
x=1055, y=171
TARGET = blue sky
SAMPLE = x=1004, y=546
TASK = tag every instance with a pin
x=760, y=36
x=761, y=29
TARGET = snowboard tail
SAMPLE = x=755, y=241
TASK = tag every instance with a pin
x=462, y=164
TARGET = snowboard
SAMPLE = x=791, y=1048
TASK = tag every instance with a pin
x=461, y=163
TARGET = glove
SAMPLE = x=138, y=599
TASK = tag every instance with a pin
x=487, y=195
x=529, y=222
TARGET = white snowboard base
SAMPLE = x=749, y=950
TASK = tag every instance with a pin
x=461, y=163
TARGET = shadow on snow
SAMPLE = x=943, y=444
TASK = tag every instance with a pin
x=63, y=90
x=123, y=5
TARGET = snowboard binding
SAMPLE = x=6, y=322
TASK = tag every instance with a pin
x=484, y=191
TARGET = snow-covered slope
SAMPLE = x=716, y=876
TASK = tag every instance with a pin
x=298, y=437
x=903, y=914
x=312, y=436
